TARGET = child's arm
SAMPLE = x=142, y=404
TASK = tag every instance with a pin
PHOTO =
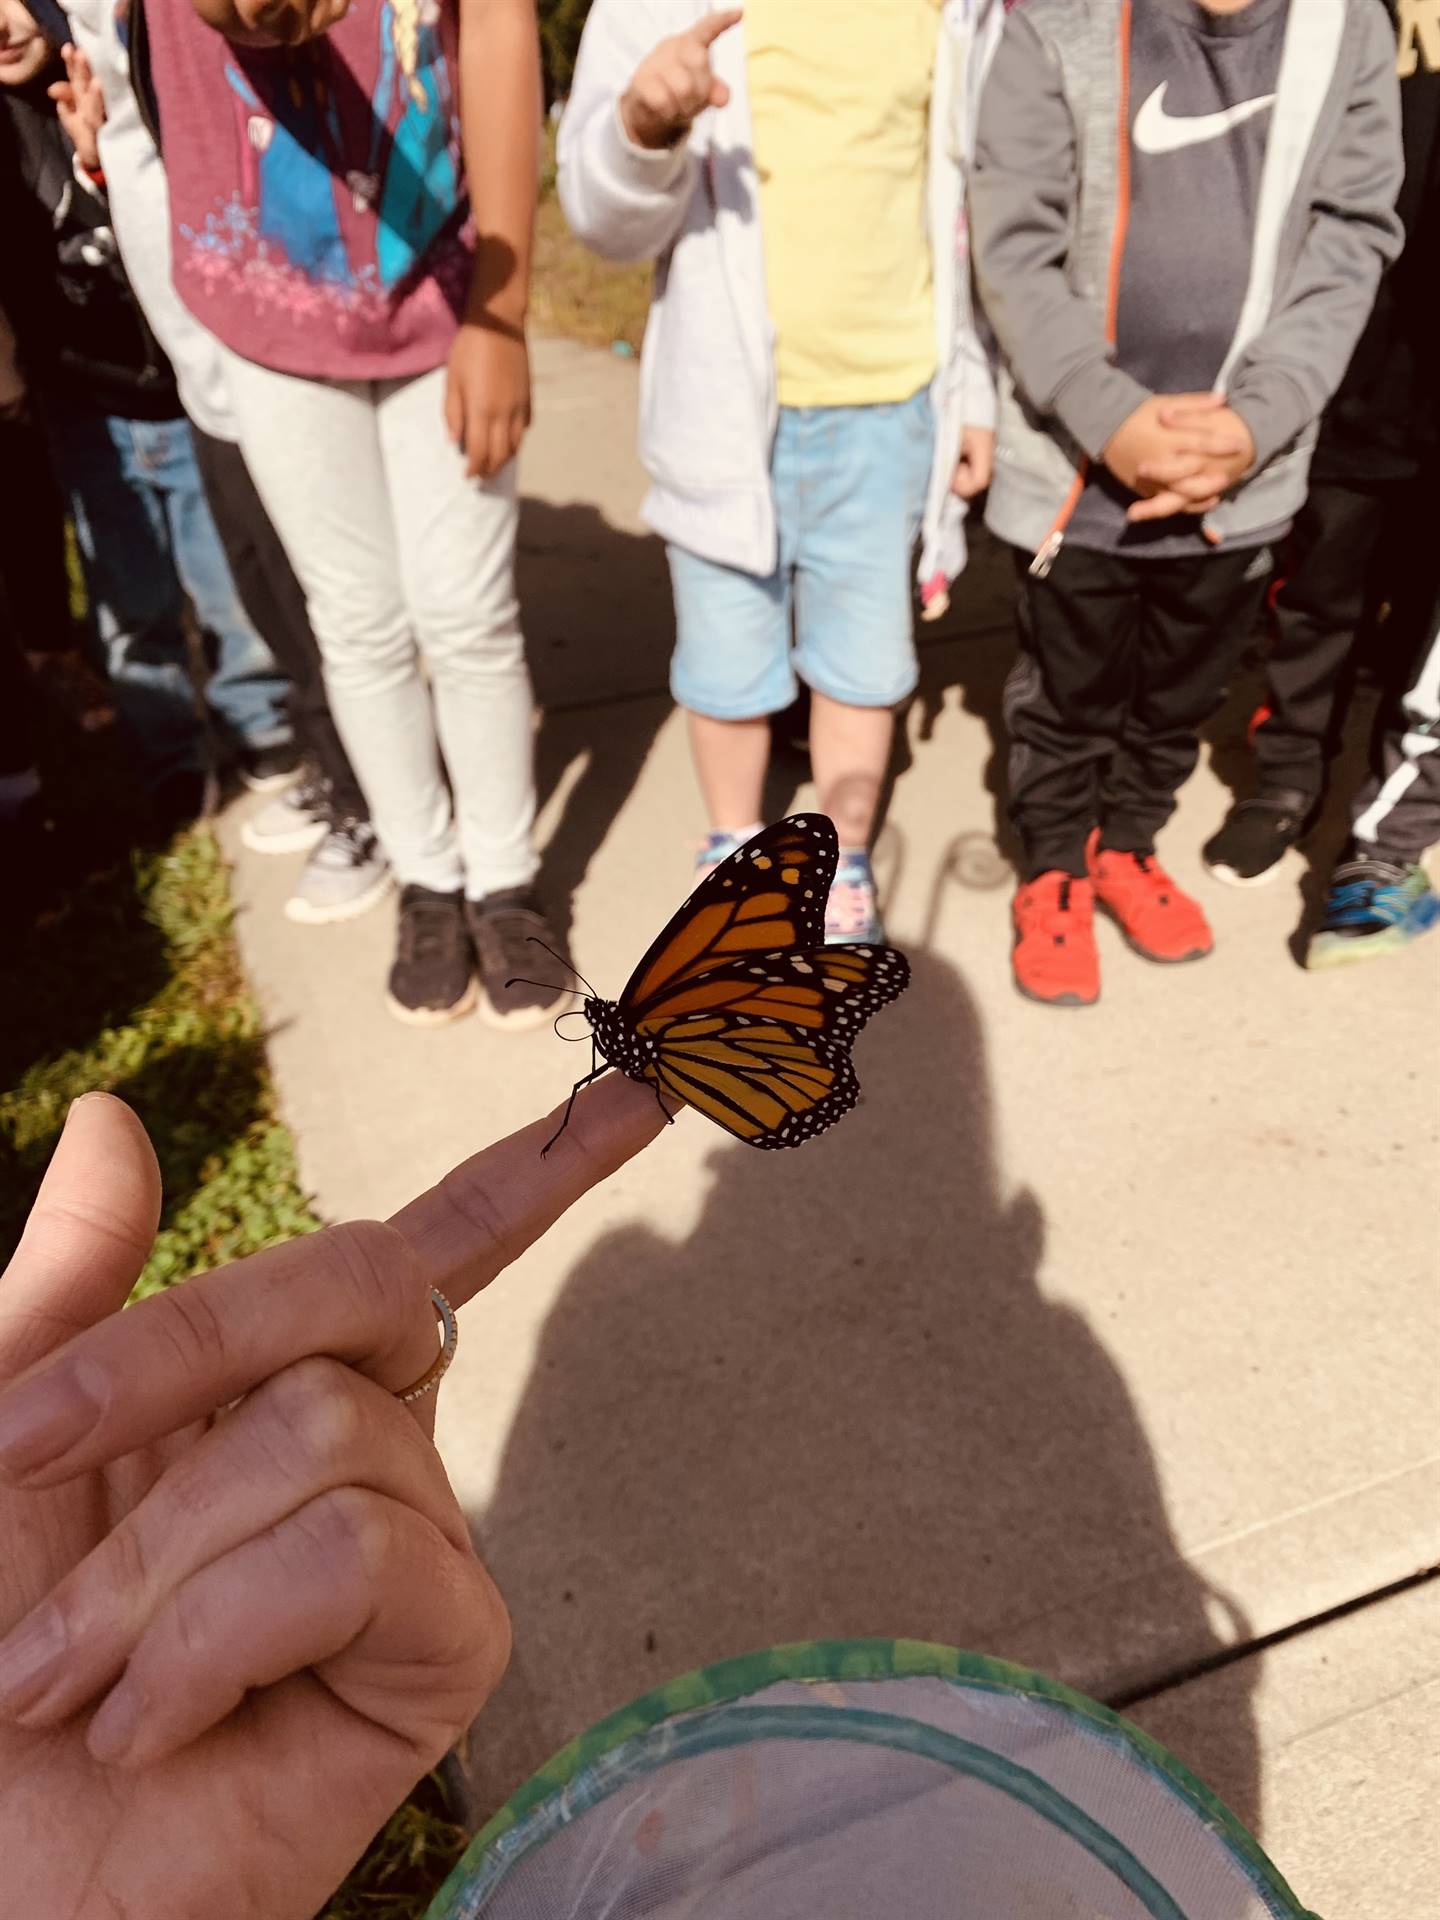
x=1023, y=190
x=626, y=171
x=487, y=391
x=80, y=109
x=1286, y=375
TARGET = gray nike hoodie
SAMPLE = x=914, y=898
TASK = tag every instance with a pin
x=1050, y=201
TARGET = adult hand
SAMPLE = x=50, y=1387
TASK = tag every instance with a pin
x=674, y=84
x=976, y=462
x=1207, y=431
x=80, y=107
x=269, y=23
x=221, y=1525
x=487, y=395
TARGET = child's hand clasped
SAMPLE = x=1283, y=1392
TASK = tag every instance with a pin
x=1215, y=454
x=673, y=85
x=1181, y=452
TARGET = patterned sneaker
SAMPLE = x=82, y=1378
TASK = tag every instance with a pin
x=1254, y=838
x=1054, y=957
x=1157, y=919
x=507, y=929
x=345, y=876
x=852, y=912
x=264, y=769
x=1375, y=906
x=433, y=978
x=716, y=847
x=295, y=821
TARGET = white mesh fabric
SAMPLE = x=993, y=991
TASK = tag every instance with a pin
x=786, y=1830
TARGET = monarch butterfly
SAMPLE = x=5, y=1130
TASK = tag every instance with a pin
x=739, y=1009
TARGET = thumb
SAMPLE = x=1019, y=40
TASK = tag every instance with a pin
x=88, y=1236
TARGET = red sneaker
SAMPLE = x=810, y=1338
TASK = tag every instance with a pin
x=1159, y=921
x=1054, y=957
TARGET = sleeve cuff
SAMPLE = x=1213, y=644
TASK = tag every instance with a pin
x=1094, y=401
x=651, y=169
x=1274, y=410
x=977, y=397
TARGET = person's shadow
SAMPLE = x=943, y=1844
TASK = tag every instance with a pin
x=598, y=634
x=846, y=1405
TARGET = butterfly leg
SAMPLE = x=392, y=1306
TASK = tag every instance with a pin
x=669, y=1117
x=570, y=1107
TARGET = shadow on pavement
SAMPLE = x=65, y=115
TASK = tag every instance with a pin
x=598, y=630
x=843, y=1406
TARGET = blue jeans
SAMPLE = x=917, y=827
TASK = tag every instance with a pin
x=849, y=486
x=147, y=540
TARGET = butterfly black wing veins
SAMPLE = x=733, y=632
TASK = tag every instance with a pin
x=757, y=1036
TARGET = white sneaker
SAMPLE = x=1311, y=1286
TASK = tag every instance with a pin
x=345, y=876
x=293, y=822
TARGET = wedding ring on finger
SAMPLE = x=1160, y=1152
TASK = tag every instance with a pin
x=449, y=1335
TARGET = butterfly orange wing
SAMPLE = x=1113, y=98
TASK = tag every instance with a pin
x=763, y=1047
x=769, y=894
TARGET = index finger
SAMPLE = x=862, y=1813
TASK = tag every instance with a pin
x=358, y=1293
x=709, y=30
x=490, y=1208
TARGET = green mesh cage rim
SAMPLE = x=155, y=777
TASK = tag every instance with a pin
x=840, y=1660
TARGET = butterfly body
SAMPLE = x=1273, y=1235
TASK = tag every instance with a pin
x=739, y=1008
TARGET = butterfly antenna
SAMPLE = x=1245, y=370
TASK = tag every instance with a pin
x=569, y=965
x=519, y=980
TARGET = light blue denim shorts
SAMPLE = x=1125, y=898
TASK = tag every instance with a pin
x=849, y=486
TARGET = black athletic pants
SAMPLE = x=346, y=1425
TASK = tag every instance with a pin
x=1120, y=663
x=1397, y=811
x=271, y=595
x=1325, y=610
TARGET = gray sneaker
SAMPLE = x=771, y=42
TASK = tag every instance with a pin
x=345, y=876
x=293, y=822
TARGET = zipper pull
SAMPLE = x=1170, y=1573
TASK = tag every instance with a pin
x=1046, y=552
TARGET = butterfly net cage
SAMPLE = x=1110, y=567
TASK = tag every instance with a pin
x=865, y=1781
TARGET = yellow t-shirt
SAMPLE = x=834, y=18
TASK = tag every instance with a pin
x=840, y=97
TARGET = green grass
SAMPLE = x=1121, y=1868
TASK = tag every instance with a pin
x=574, y=292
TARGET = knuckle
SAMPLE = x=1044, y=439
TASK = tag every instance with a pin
x=374, y=1265
x=129, y=1565
x=315, y=1404
x=192, y=1624
x=355, y=1526
x=189, y=1321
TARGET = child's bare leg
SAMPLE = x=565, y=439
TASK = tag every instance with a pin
x=730, y=760
x=850, y=752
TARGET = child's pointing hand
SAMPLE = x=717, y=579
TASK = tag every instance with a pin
x=674, y=85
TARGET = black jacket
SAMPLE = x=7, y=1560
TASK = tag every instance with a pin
x=1385, y=417
x=81, y=333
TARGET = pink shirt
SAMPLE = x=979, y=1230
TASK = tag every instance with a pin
x=320, y=219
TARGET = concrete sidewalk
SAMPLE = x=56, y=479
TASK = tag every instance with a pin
x=1103, y=1341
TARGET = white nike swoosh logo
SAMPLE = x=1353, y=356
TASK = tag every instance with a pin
x=1156, y=131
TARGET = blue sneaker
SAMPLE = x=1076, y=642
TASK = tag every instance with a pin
x=716, y=847
x=1374, y=906
x=852, y=913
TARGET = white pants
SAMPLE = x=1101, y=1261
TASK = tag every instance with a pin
x=402, y=557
